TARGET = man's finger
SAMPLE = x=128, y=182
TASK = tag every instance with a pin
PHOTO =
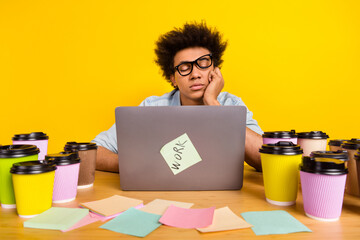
x=212, y=74
x=217, y=71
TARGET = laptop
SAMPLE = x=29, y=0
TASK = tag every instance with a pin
x=154, y=143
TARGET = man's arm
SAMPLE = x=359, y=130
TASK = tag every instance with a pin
x=106, y=160
x=253, y=142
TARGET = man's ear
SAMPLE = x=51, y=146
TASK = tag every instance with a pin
x=172, y=78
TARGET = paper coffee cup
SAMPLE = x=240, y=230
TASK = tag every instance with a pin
x=277, y=136
x=87, y=153
x=10, y=154
x=33, y=186
x=323, y=184
x=66, y=175
x=280, y=164
x=335, y=144
x=352, y=183
x=38, y=139
x=357, y=159
x=339, y=154
x=312, y=141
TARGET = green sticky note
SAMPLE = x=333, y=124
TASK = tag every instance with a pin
x=273, y=222
x=57, y=218
x=134, y=222
x=180, y=154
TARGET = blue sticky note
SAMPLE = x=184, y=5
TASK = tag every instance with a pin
x=273, y=222
x=134, y=222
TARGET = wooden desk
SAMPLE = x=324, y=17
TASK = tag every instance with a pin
x=249, y=198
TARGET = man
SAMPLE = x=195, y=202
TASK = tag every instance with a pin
x=190, y=59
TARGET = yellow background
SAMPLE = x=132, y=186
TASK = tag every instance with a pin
x=65, y=65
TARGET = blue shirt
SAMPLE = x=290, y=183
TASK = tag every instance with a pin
x=108, y=139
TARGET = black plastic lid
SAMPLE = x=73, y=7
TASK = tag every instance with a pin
x=351, y=144
x=280, y=134
x=30, y=136
x=336, y=142
x=83, y=146
x=342, y=155
x=326, y=166
x=281, y=148
x=355, y=140
x=32, y=167
x=313, y=135
x=17, y=151
x=63, y=158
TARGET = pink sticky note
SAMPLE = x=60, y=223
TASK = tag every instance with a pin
x=188, y=218
x=90, y=218
x=93, y=217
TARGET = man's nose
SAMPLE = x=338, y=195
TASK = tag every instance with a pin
x=196, y=73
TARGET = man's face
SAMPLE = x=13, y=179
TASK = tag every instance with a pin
x=192, y=86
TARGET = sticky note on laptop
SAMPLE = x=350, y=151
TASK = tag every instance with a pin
x=180, y=154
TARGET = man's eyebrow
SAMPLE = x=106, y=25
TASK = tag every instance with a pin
x=192, y=61
x=184, y=62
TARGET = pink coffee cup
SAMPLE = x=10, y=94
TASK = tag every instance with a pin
x=323, y=185
x=66, y=176
x=38, y=139
x=277, y=136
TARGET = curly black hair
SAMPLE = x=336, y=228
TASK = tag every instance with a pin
x=190, y=35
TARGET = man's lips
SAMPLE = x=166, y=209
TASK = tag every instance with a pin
x=197, y=86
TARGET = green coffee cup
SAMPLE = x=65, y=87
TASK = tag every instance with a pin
x=10, y=154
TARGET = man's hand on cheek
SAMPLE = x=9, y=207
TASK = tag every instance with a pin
x=216, y=84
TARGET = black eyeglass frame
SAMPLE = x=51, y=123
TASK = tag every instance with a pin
x=192, y=64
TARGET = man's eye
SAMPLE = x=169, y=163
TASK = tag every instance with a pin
x=184, y=67
x=203, y=62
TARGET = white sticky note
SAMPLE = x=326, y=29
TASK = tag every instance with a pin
x=180, y=154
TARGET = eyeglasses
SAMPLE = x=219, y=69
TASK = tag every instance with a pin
x=185, y=68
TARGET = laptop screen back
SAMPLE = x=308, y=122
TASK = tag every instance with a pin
x=217, y=134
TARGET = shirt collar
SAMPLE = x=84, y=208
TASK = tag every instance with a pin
x=175, y=98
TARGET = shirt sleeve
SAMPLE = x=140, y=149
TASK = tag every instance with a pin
x=252, y=123
x=107, y=139
x=228, y=99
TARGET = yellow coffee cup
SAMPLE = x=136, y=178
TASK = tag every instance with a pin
x=33, y=187
x=10, y=154
x=280, y=165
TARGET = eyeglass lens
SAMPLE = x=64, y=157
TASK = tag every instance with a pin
x=202, y=62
